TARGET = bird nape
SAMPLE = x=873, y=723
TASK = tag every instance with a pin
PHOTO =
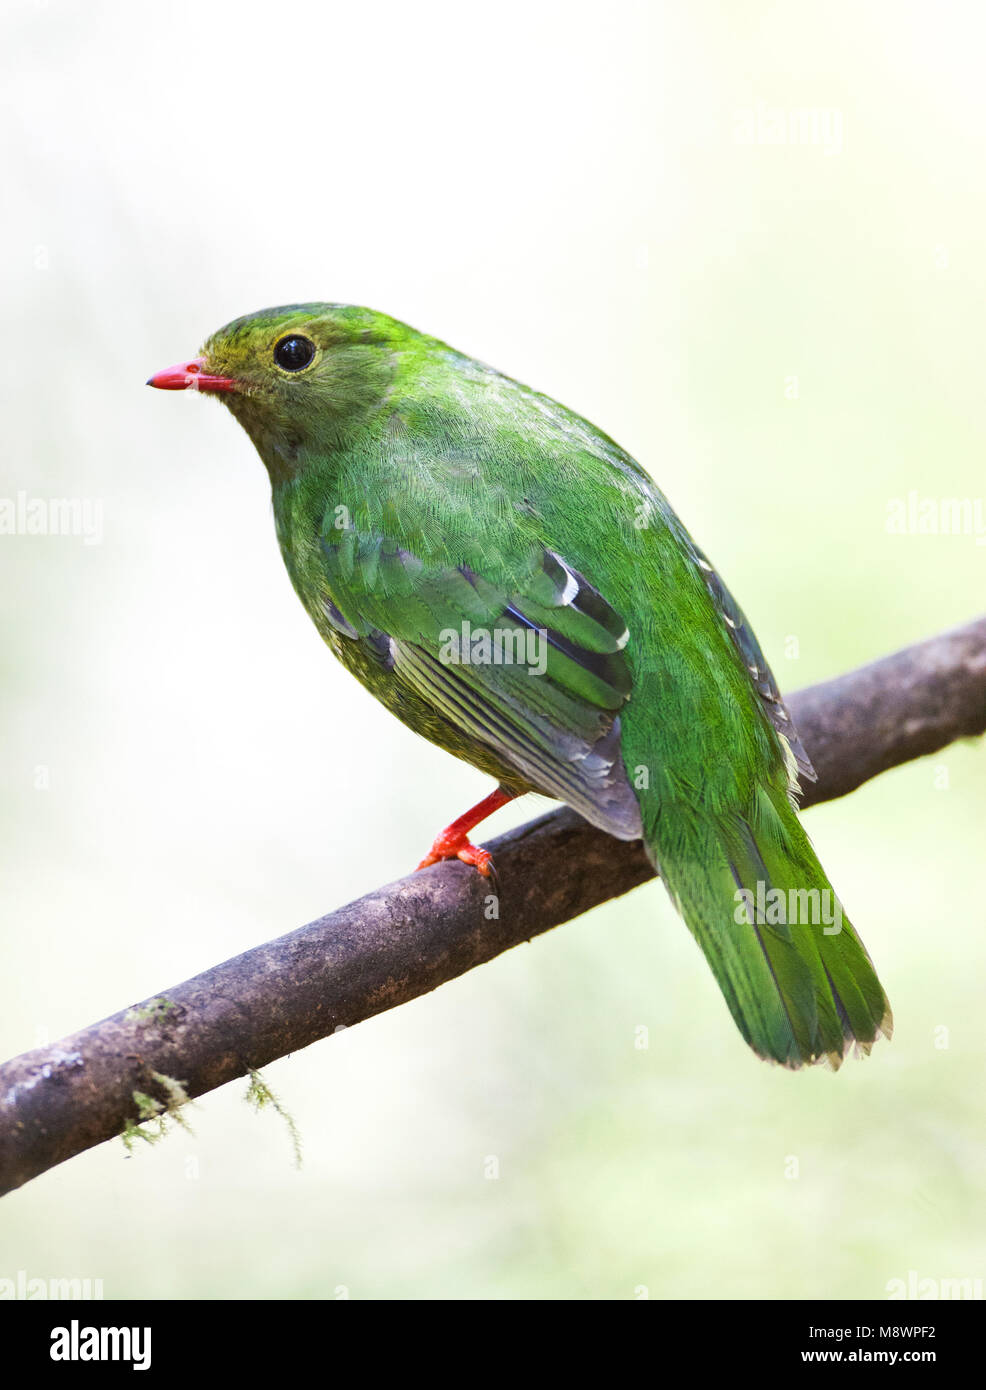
x=512, y=585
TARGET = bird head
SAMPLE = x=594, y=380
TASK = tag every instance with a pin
x=298, y=378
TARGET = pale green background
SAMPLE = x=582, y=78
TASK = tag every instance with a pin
x=560, y=190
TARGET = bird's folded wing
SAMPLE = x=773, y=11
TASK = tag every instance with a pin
x=751, y=654
x=534, y=668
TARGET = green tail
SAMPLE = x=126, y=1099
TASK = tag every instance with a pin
x=796, y=977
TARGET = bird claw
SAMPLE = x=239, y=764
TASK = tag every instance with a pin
x=463, y=849
x=454, y=842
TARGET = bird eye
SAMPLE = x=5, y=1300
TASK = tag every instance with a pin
x=293, y=354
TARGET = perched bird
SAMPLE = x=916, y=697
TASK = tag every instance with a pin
x=511, y=584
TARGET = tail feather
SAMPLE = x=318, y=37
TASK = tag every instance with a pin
x=796, y=977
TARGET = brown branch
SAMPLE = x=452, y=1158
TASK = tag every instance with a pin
x=413, y=935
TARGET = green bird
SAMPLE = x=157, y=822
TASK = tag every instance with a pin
x=512, y=585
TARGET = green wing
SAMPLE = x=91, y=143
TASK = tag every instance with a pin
x=533, y=668
x=751, y=654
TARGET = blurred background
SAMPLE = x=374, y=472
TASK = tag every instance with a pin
x=747, y=241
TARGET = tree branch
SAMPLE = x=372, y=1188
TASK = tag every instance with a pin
x=413, y=935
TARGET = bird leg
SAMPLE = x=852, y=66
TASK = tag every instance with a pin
x=453, y=842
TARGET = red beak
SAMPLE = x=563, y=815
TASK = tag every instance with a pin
x=184, y=376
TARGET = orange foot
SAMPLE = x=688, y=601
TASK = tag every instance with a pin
x=454, y=842
x=445, y=848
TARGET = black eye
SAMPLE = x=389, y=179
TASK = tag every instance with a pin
x=294, y=353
